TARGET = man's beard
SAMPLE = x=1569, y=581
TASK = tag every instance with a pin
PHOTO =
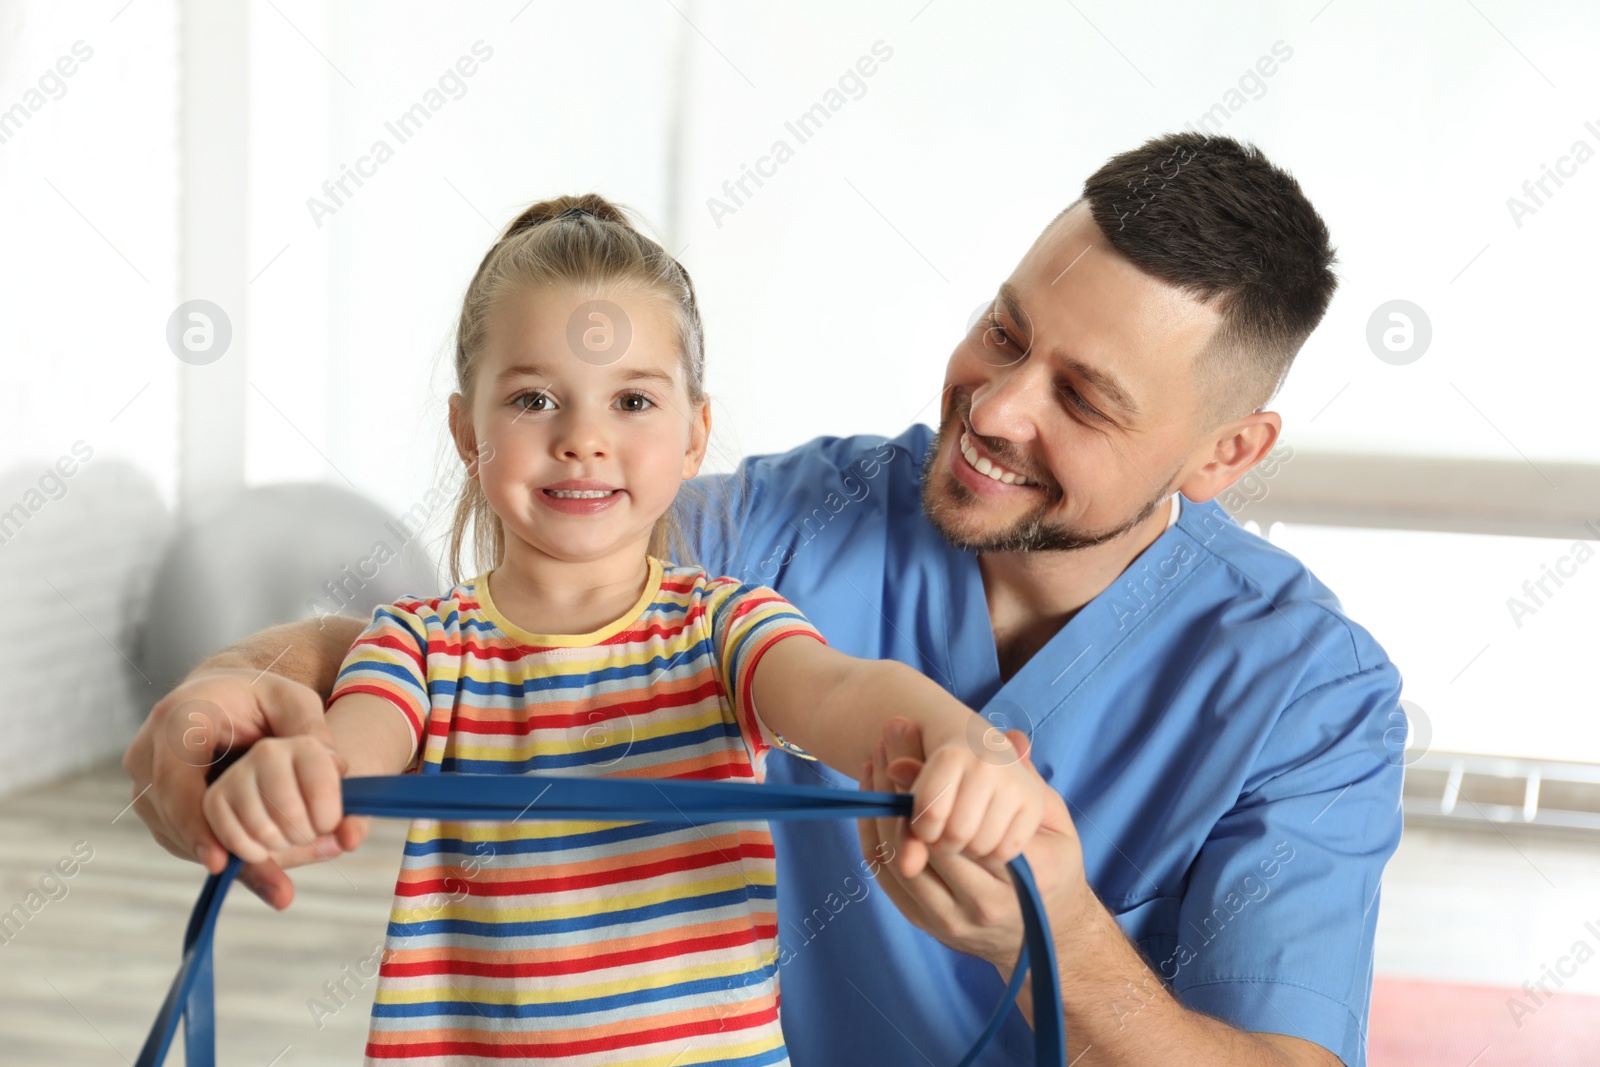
x=1030, y=533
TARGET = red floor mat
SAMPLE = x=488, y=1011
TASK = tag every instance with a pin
x=1439, y=1024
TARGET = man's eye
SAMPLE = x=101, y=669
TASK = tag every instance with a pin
x=635, y=402
x=996, y=332
x=1076, y=400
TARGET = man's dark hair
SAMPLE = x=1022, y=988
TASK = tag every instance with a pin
x=1218, y=220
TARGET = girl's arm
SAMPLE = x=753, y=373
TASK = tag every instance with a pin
x=969, y=797
x=371, y=734
x=835, y=706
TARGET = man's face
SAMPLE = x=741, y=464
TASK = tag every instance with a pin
x=1076, y=387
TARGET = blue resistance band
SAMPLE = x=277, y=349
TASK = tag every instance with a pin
x=492, y=797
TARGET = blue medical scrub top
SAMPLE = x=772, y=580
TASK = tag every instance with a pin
x=1222, y=734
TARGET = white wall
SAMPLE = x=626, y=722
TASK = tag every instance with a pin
x=842, y=283
x=357, y=316
x=832, y=295
x=1408, y=128
x=87, y=276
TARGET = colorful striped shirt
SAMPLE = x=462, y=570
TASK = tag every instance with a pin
x=570, y=943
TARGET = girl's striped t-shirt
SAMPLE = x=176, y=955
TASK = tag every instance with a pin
x=570, y=943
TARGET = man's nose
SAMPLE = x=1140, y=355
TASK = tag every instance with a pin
x=1007, y=404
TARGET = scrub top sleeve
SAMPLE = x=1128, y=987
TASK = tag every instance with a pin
x=744, y=524
x=1275, y=927
x=389, y=660
x=746, y=621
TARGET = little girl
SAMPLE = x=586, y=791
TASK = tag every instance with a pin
x=581, y=408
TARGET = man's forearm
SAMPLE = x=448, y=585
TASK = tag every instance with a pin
x=308, y=652
x=1118, y=1012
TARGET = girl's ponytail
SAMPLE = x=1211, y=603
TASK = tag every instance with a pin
x=591, y=204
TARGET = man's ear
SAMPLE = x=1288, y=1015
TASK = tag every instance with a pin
x=699, y=439
x=1235, y=448
x=462, y=433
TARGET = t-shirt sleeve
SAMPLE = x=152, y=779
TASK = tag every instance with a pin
x=746, y=621
x=389, y=660
x=1277, y=920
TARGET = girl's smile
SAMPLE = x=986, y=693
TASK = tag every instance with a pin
x=580, y=497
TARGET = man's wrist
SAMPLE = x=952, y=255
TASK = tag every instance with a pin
x=222, y=664
x=1074, y=914
x=1088, y=933
x=1078, y=924
x=1079, y=915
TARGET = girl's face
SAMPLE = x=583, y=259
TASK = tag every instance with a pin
x=581, y=421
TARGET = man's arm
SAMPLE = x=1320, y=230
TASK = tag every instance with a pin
x=273, y=683
x=1117, y=1012
x=308, y=652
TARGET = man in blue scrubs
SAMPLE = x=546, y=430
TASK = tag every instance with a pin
x=1211, y=726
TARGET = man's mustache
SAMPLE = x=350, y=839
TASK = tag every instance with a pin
x=1000, y=450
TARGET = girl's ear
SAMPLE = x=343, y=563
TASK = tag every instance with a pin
x=462, y=433
x=699, y=439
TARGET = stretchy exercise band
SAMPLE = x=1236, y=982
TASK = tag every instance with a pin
x=511, y=797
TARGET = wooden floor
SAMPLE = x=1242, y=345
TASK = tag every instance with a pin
x=81, y=981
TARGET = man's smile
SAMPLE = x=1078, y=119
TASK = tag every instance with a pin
x=984, y=465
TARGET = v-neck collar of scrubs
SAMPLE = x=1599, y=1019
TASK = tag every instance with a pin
x=1050, y=675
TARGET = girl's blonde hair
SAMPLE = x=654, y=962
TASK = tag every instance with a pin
x=591, y=244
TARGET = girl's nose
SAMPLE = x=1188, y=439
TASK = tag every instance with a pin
x=583, y=439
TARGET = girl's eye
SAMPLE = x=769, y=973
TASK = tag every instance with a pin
x=533, y=400
x=635, y=402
